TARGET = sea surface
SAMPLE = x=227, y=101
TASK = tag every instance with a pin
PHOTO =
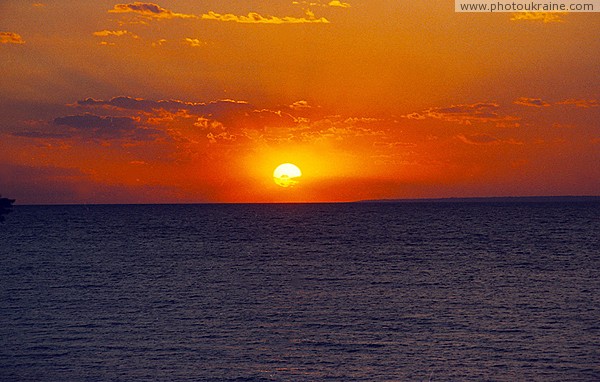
x=301, y=292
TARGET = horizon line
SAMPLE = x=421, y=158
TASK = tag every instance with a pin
x=452, y=199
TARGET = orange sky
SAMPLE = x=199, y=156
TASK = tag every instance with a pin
x=198, y=101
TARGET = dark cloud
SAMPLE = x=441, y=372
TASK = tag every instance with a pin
x=391, y=145
x=225, y=121
x=485, y=139
x=149, y=10
x=478, y=139
x=465, y=113
x=266, y=118
x=150, y=106
x=99, y=127
x=40, y=134
x=532, y=102
x=90, y=121
x=582, y=103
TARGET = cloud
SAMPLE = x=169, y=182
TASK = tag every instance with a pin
x=508, y=125
x=149, y=106
x=265, y=118
x=537, y=102
x=332, y=3
x=160, y=42
x=361, y=120
x=338, y=3
x=40, y=134
x=478, y=139
x=392, y=145
x=416, y=116
x=464, y=113
x=119, y=33
x=532, y=102
x=92, y=126
x=558, y=125
x=223, y=137
x=256, y=18
x=223, y=121
x=485, y=139
x=208, y=124
x=11, y=38
x=583, y=103
x=300, y=105
x=545, y=17
x=155, y=11
x=194, y=42
x=94, y=121
x=149, y=10
x=336, y=128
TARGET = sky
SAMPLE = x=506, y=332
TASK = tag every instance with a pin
x=198, y=101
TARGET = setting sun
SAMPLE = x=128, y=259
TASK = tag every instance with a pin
x=286, y=174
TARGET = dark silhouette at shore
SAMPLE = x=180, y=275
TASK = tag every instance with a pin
x=494, y=199
x=5, y=207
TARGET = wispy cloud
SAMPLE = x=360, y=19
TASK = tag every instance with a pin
x=300, y=105
x=159, y=42
x=150, y=106
x=118, y=33
x=338, y=3
x=92, y=126
x=155, y=11
x=129, y=120
x=40, y=134
x=332, y=3
x=465, y=113
x=478, y=139
x=256, y=18
x=583, y=103
x=393, y=145
x=574, y=102
x=531, y=102
x=485, y=139
x=545, y=17
x=149, y=10
x=11, y=38
x=417, y=116
x=194, y=42
x=558, y=125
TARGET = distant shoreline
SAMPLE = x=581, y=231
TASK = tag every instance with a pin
x=493, y=199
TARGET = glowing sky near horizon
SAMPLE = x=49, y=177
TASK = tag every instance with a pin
x=198, y=101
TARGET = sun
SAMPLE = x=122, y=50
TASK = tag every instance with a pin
x=286, y=175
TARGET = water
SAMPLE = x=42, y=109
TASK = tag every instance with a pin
x=340, y=292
